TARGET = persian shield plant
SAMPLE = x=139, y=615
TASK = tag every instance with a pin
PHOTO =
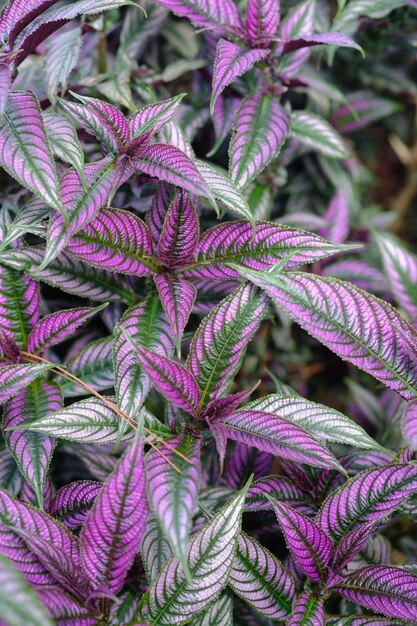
x=208, y=339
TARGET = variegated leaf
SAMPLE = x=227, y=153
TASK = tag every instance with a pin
x=146, y=325
x=277, y=436
x=256, y=247
x=260, y=129
x=177, y=297
x=232, y=60
x=69, y=274
x=154, y=549
x=389, y=590
x=87, y=421
x=24, y=148
x=20, y=605
x=58, y=326
x=180, y=232
x=259, y=578
x=72, y=502
x=222, y=188
x=317, y=419
x=315, y=132
x=217, y=347
x=82, y=202
x=64, y=141
x=400, y=267
x=14, y=378
x=172, y=379
x=210, y=553
x=32, y=451
x=219, y=613
x=93, y=364
x=172, y=493
x=61, y=56
x=116, y=241
x=217, y=14
x=308, y=611
x=309, y=545
x=359, y=327
x=153, y=116
x=111, y=535
x=262, y=19
x=371, y=496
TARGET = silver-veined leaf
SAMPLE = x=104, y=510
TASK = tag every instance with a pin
x=171, y=598
x=314, y=132
x=356, y=325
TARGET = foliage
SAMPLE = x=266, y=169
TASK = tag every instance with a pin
x=187, y=187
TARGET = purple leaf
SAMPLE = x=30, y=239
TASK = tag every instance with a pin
x=171, y=165
x=259, y=578
x=232, y=61
x=260, y=129
x=115, y=240
x=72, y=502
x=111, y=535
x=102, y=120
x=262, y=19
x=236, y=242
x=32, y=451
x=83, y=204
x=221, y=407
x=155, y=217
x=309, y=545
x=89, y=421
x=64, y=609
x=210, y=553
x=279, y=487
x=20, y=605
x=176, y=383
x=177, y=297
x=16, y=516
x=337, y=218
x=216, y=14
x=277, y=436
x=153, y=116
x=57, y=327
x=400, y=268
x=5, y=84
x=172, y=493
x=70, y=275
x=298, y=23
x=44, y=25
x=333, y=39
x=19, y=304
x=358, y=327
x=24, y=149
x=359, y=272
x=243, y=462
x=93, y=364
x=222, y=117
x=145, y=325
x=180, y=232
x=307, y=611
x=14, y=378
x=370, y=496
x=17, y=14
x=409, y=424
x=317, y=419
x=391, y=591
x=361, y=109
x=350, y=545
x=218, y=345
x=63, y=567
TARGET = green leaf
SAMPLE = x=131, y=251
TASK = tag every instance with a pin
x=64, y=141
x=20, y=605
x=61, y=56
x=313, y=131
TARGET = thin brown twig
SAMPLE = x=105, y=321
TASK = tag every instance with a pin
x=57, y=369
